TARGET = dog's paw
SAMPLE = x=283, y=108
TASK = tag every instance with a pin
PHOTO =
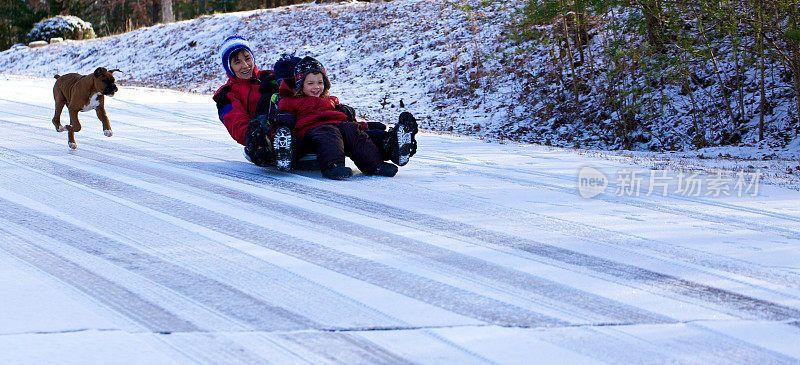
x=73, y=145
x=61, y=128
x=108, y=132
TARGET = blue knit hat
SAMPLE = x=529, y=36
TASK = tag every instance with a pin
x=230, y=45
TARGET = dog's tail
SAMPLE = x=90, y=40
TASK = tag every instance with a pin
x=56, y=76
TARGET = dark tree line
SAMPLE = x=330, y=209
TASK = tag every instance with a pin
x=17, y=17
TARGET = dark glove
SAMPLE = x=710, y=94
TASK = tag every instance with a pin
x=350, y=112
x=269, y=84
x=257, y=146
x=267, y=88
x=263, y=104
x=285, y=119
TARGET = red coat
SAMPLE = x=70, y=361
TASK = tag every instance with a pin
x=237, y=101
x=311, y=111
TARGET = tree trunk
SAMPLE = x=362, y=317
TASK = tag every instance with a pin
x=761, y=66
x=796, y=76
x=795, y=62
x=653, y=16
x=740, y=67
x=571, y=62
x=166, y=11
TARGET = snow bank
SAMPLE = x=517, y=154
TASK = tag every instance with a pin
x=66, y=26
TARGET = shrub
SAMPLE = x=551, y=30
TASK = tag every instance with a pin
x=64, y=26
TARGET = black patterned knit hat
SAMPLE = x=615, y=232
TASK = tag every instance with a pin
x=306, y=66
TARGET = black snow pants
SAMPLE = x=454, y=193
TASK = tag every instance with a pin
x=332, y=142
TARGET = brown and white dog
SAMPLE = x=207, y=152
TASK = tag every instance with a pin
x=82, y=93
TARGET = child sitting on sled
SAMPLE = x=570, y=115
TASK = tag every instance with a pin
x=331, y=130
x=238, y=100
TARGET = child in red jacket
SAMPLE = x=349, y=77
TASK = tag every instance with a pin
x=241, y=100
x=329, y=127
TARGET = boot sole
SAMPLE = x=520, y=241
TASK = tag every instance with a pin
x=282, y=144
x=406, y=129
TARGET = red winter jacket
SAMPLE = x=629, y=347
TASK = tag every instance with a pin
x=237, y=101
x=311, y=111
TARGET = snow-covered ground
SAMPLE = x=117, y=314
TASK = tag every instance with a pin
x=162, y=244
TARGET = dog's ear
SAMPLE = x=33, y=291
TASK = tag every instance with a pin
x=114, y=70
x=99, y=72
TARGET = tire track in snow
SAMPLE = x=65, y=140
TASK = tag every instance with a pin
x=637, y=313
x=220, y=297
x=467, y=266
x=444, y=296
x=119, y=299
x=618, y=240
x=326, y=337
x=744, y=304
x=136, y=299
x=609, y=237
x=269, y=276
x=681, y=254
x=151, y=316
x=747, y=305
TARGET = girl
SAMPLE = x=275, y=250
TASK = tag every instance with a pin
x=328, y=127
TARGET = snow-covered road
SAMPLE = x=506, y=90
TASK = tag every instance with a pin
x=162, y=244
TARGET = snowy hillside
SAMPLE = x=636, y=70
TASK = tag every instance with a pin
x=162, y=245
x=377, y=55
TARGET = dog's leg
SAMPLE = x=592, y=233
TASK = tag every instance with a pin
x=101, y=114
x=57, y=118
x=71, y=140
x=74, y=126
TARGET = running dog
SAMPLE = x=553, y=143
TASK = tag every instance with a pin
x=82, y=93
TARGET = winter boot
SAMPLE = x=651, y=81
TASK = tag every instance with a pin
x=337, y=171
x=258, y=148
x=401, y=144
x=282, y=145
x=385, y=169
